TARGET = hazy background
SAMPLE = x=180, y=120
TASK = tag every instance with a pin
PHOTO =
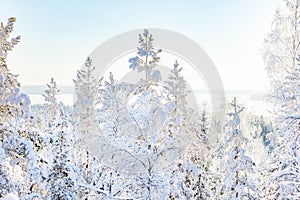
x=57, y=36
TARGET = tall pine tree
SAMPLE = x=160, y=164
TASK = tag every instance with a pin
x=281, y=53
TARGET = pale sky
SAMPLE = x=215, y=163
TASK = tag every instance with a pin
x=58, y=35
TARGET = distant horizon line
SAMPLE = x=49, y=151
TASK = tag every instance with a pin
x=69, y=89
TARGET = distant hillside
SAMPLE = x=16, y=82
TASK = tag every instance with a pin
x=39, y=89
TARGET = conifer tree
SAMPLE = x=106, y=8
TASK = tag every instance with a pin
x=19, y=138
x=238, y=166
x=147, y=58
x=281, y=53
x=61, y=177
x=87, y=131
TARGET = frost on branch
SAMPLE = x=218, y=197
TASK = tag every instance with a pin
x=147, y=59
x=238, y=183
x=281, y=55
x=6, y=44
x=12, y=102
x=61, y=178
x=19, y=161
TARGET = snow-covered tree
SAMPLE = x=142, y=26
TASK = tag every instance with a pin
x=52, y=105
x=92, y=173
x=19, y=137
x=137, y=119
x=197, y=181
x=281, y=55
x=61, y=177
x=184, y=171
x=178, y=90
x=112, y=103
x=202, y=159
x=147, y=58
x=238, y=183
x=153, y=145
x=202, y=128
x=86, y=86
x=12, y=102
